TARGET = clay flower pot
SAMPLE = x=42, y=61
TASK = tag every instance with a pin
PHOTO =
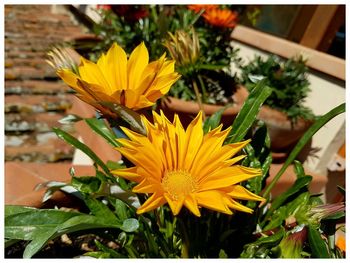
x=187, y=110
x=283, y=133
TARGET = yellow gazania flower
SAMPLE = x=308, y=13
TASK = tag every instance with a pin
x=185, y=167
x=221, y=17
x=132, y=83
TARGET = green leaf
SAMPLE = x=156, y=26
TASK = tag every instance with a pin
x=101, y=210
x=300, y=145
x=28, y=225
x=111, y=252
x=214, y=120
x=86, y=184
x=41, y=238
x=79, y=145
x=222, y=254
x=335, y=216
x=298, y=169
x=295, y=188
x=317, y=244
x=99, y=126
x=130, y=225
x=341, y=190
x=247, y=115
x=128, y=115
x=17, y=209
x=211, y=67
x=69, y=119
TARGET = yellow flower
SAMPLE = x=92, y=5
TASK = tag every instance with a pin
x=185, y=167
x=132, y=82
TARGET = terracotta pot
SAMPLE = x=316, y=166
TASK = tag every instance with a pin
x=284, y=135
x=187, y=110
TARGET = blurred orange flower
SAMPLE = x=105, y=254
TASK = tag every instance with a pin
x=221, y=17
x=198, y=8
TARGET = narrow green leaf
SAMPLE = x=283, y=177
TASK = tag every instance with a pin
x=17, y=209
x=214, y=120
x=39, y=242
x=28, y=225
x=81, y=146
x=112, y=253
x=298, y=169
x=128, y=115
x=100, y=127
x=296, y=187
x=69, y=119
x=211, y=67
x=247, y=115
x=300, y=145
x=86, y=184
x=101, y=210
x=317, y=244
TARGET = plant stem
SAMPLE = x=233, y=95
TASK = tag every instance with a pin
x=185, y=240
x=198, y=96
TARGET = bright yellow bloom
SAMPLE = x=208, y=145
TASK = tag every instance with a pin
x=221, y=17
x=185, y=167
x=132, y=82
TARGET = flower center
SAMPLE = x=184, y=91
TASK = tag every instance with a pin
x=178, y=183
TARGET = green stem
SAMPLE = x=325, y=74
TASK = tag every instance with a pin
x=185, y=240
x=204, y=91
x=198, y=96
x=306, y=137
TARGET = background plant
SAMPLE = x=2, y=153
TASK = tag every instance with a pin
x=128, y=25
x=287, y=79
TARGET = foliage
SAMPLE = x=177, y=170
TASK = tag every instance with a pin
x=295, y=224
x=288, y=80
x=128, y=25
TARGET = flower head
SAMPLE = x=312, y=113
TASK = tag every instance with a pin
x=198, y=8
x=185, y=167
x=132, y=82
x=183, y=47
x=221, y=17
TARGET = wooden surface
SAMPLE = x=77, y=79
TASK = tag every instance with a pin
x=318, y=25
x=319, y=61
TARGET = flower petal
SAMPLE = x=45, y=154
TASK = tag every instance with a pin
x=239, y=192
x=137, y=63
x=128, y=173
x=228, y=176
x=155, y=201
x=192, y=205
x=175, y=205
x=212, y=200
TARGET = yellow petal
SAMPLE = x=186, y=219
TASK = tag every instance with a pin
x=137, y=63
x=114, y=66
x=239, y=192
x=192, y=205
x=212, y=200
x=69, y=78
x=128, y=173
x=228, y=176
x=175, y=205
x=194, y=138
x=236, y=206
x=91, y=73
x=145, y=186
x=155, y=201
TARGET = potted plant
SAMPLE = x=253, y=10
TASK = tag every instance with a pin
x=194, y=192
x=197, y=37
x=284, y=113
